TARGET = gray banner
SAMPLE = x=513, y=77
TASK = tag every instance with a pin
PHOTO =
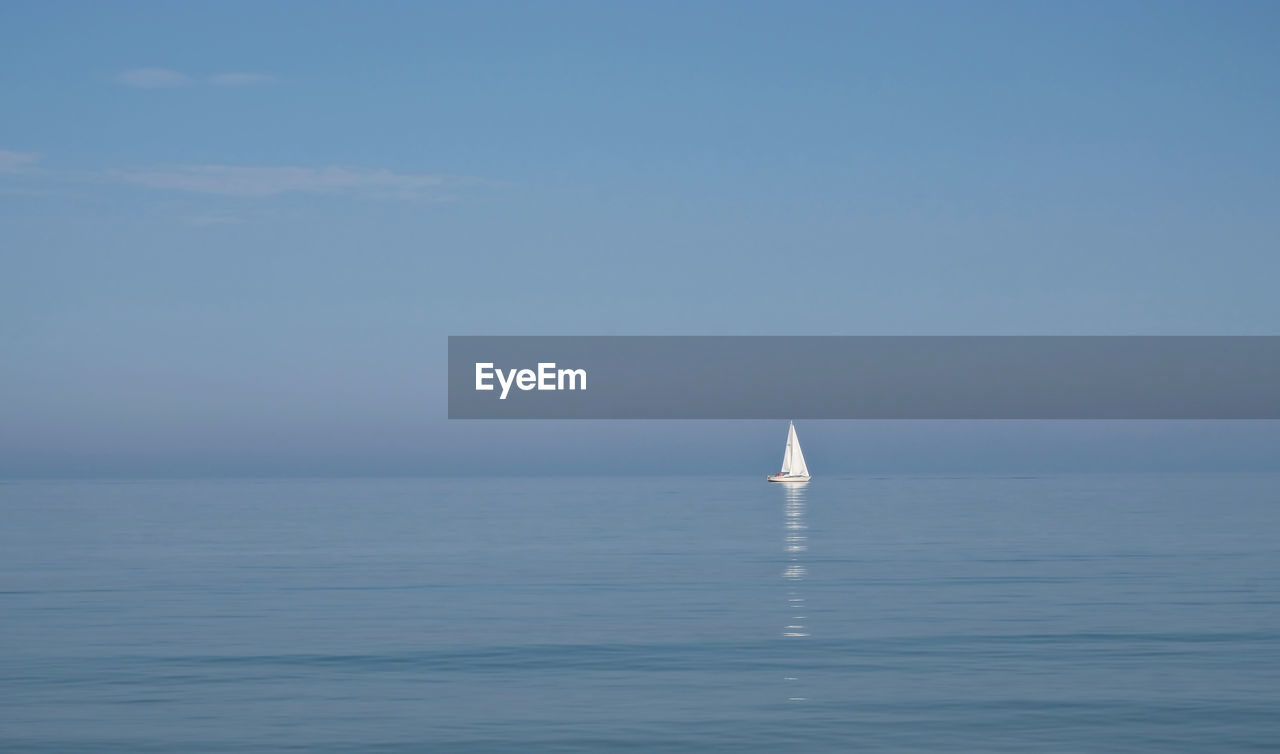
x=860, y=377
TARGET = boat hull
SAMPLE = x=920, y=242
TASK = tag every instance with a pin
x=792, y=479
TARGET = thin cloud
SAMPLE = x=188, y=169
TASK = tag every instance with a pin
x=242, y=79
x=21, y=191
x=153, y=78
x=250, y=181
x=263, y=181
x=11, y=162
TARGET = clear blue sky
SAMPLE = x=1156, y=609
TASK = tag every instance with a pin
x=233, y=236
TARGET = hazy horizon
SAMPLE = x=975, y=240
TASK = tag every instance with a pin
x=752, y=448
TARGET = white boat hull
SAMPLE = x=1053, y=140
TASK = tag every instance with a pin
x=788, y=478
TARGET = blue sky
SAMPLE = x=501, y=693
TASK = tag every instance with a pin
x=234, y=236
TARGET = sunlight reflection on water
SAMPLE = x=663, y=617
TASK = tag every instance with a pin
x=795, y=572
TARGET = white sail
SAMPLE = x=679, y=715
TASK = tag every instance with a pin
x=794, y=455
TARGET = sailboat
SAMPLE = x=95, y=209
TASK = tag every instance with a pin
x=793, y=467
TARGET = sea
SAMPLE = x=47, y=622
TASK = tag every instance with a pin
x=1071, y=613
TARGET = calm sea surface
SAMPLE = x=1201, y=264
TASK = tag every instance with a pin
x=1065, y=614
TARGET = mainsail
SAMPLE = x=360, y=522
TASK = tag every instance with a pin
x=793, y=459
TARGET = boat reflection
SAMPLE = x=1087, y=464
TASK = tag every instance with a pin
x=796, y=543
x=796, y=540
